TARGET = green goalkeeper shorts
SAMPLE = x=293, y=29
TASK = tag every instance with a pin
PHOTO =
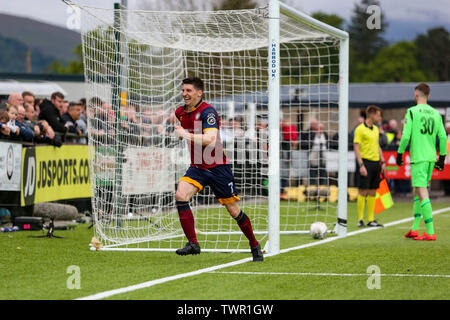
x=421, y=173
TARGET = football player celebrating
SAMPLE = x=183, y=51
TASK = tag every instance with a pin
x=200, y=126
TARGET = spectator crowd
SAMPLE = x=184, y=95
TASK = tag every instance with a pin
x=42, y=121
x=56, y=121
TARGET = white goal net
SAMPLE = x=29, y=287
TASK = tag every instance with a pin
x=135, y=62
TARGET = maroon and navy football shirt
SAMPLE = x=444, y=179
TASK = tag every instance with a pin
x=200, y=119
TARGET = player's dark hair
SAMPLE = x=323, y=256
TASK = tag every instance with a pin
x=4, y=116
x=96, y=101
x=27, y=93
x=73, y=104
x=362, y=113
x=195, y=81
x=373, y=109
x=57, y=94
x=424, y=88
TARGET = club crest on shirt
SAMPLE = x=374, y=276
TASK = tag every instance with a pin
x=211, y=119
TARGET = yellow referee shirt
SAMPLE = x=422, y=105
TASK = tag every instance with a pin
x=367, y=137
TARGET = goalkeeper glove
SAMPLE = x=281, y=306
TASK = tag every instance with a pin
x=399, y=159
x=439, y=165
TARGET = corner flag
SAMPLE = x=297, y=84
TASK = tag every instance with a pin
x=383, y=198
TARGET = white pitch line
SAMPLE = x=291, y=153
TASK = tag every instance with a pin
x=107, y=294
x=390, y=224
x=333, y=274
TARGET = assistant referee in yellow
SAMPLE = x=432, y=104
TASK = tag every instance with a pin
x=370, y=162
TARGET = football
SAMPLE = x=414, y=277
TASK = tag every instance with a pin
x=318, y=230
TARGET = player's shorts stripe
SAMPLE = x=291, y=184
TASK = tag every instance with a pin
x=229, y=200
x=193, y=182
x=206, y=129
x=424, y=204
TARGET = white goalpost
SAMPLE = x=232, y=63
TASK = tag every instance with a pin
x=279, y=81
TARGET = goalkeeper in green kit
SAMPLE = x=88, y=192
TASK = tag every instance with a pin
x=423, y=124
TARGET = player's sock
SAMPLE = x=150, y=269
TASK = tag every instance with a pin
x=417, y=214
x=360, y=203
x=187, y=220
x=244, y=223
x=370, y=208
x=427, y=212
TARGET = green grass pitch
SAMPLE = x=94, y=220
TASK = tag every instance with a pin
x=42, y=268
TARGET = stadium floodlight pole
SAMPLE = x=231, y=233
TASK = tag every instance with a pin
x=274, y=127
x=341, y=226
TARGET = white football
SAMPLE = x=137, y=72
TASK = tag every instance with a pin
x=318, y=230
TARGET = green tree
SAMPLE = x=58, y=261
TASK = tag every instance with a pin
x=73, y=67
x=397, y=63
x=235, y=5
x=365, y=43
x=330, y=19
x=434, y=52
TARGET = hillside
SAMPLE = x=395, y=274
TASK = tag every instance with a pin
x=43, y=39
x=13, y=55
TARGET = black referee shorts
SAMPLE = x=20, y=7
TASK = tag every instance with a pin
x=373, y=179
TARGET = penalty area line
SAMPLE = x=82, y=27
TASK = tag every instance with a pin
x=107, y=294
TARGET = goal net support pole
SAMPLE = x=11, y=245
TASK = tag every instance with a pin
x=274, y=120
x=274, y=126
x=343, y=137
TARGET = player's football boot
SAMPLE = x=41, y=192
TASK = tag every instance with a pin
x=361, y=224
x=375, y=224
x=190, y=248
x=257, y=254
x=412, y=234
x=426, y=237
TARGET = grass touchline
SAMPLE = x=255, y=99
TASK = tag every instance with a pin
x=109, y=293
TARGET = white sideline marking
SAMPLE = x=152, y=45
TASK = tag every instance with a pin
x=390, y=224
x=107, y=294
x=333, y=274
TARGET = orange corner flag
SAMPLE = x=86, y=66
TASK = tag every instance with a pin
x=383, y=199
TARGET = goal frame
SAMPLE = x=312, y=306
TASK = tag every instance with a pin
x=276, y=8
